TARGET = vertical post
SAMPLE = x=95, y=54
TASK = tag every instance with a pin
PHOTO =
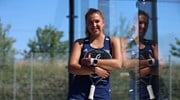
x=31, y=76
x=170, y=78
x=154, y=20
x=14, y=81
x=71, y=24
x=71, y=35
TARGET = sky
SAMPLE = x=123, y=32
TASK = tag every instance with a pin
x=25, y=16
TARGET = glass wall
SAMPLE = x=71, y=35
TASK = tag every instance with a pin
x=28, y=30
x=32, y=67
x=168, y=35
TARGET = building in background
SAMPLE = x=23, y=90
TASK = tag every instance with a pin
x=104, y=6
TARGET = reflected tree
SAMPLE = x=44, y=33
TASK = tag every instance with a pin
x=175, y=48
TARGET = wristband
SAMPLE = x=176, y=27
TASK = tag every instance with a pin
x=151, y=62
x=93, y=61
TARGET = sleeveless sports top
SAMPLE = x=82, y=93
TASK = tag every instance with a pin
x=147, y=50
x=87, y=47
x=80, y=85
x=84, y=79
x=142, y=53
x=135, y=52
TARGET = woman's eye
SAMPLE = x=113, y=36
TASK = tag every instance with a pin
x=97, y=21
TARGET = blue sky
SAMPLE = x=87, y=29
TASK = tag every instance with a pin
x=168, y=25
x=26, y=15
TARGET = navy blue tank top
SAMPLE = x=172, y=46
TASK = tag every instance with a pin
x=81, y=83
x=142, y=53
x=87, y=47
x=147, y=50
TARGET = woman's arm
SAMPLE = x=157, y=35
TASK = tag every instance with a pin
x=116, y=61
x=109, y=64
x=76, y=68
x=129, y=63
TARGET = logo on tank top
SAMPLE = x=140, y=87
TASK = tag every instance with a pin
x=85, y=50
x=108, y=51
x=150, y=51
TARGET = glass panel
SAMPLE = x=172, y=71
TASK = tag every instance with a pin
x=41, y=78
x=48, y=77
x=22, y=77
x=118, y=19
x=37, y=77
x=6, y=75
x=168, y=33
x=122, y=15
x=22, y=80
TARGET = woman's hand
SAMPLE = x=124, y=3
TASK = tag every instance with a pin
x=86, y=62
x=101, y=72
x=145, y=71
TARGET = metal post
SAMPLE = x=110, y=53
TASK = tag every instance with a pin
x=31, y=76
x=14, y=80
x=154, y=20
x=71, y=24
x=170, y=78
x=71, y=33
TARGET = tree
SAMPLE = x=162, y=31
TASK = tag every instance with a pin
x=175, y=48
x=47, y=42
x=6, y=45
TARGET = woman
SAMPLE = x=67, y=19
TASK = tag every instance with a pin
x=81, y=66
x=140, y=57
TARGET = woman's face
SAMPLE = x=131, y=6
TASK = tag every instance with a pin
x=95, y=24
x=143, y=25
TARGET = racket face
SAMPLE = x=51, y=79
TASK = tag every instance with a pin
x=99, y=54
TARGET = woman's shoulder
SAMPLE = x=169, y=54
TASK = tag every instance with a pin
x=80, y=40
x=149, y=42
x=124, y=38
x=120, y=39
x=114, y=38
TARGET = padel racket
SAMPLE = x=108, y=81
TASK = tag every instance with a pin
x=95, y=79
x=144, y=54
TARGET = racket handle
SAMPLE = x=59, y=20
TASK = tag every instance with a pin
x=150, y=91
x=91, y=93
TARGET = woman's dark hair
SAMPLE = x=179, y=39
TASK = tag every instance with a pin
x=90, y=12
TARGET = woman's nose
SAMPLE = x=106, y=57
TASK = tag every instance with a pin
x=142, y=25
x=94, y=24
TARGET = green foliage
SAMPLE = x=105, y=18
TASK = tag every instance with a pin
x=175, y=48
x=48, y=40
x=6, y=46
